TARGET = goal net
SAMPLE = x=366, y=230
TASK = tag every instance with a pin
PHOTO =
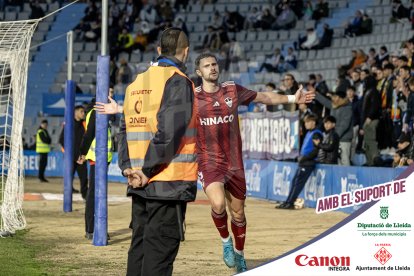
x=15, y=40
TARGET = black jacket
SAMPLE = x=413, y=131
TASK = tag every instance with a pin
x=328, y=148
x=371, y=106
x=90, y=130
x=78, y=132
x=45, y=137
x=172, y=124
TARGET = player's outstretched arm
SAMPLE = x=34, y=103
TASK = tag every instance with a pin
x=108, y=108
x=270, y=98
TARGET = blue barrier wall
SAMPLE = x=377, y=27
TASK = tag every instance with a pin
x=265, y=179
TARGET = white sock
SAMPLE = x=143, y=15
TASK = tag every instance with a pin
x=225, y=239
x=239, y=252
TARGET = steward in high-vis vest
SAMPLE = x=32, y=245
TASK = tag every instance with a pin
x=43, y=142
x=157, y=136
x=87, y=151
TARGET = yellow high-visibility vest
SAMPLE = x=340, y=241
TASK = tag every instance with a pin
x=141, y=105
x=91, y=152
x=41, y=147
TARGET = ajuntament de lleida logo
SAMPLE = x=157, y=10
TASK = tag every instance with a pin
x=384, y=212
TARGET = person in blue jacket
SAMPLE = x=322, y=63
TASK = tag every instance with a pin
x=307, y=161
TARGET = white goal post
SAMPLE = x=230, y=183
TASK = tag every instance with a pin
x=15, y=37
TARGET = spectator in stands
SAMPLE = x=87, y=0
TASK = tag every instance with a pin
x=43, y=142
x=165, y=11
x=236, y=51
x=357, y=83
x=366, y=25
x=311, y=40
x=95, y=32
x=252, y=17
x=37, y=11
x=271, y=87
x=81, y=29
x=297, y=7
x=114, y=13
x=113, y=70
x=373, y=58
x=181, y=5
x=266, y=20
x=217, y=20
x=404, y=150
x=307, y=11
x=329, y=146
x=290, y=61
x=306, y=161
x=271, y=63
x=286, y=20
x=223, y=61
x=78, y=132
x=353, y=99
x=320, y=85
x=233, y=21
x=391, y=88
x=179, y=23
x=124, y=74
x=371, y=110
x=410, y=106
x=140, y=41
x=91, y=12
x=399, y=11
x=354, y=26
x=383, y=55
x=289, y=87
x=279, y=6
x=326, y=39
x=341, y=108
x=385, y=124
x=211, y=39
x=321, y=10
x=149, y=14
x=125, y=43
x=411, y=15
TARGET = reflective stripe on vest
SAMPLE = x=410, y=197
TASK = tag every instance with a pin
x=91, y=152
x=41, y=147
x=141, y=105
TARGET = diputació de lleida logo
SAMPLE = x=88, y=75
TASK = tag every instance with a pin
x=384, y=212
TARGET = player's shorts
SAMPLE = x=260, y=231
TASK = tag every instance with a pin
x=234, y=180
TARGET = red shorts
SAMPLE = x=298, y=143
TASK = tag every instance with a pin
x=234, y=180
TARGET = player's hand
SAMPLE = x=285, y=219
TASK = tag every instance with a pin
x=304, y=97
x=107, y=108
x=133, y=179
x=81, y=159
x=144, y=178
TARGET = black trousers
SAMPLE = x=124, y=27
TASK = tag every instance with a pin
x=155, y=237
x=298, y=183
x=90, y=202
x=82, y=171
x=42, y=165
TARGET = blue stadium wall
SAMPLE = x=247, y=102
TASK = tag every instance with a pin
x=266, y=179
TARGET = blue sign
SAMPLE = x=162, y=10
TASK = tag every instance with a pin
x=54, y=104
x=280, y=179
x=257, y=176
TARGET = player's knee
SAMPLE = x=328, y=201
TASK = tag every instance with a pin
x=238, y=215
x=218, y=207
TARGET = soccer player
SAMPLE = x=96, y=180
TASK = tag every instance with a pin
x=219, y=149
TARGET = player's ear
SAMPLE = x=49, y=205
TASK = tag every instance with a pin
x=159, y=50
x=198, y=72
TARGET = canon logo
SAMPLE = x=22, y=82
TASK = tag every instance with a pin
x=303, y=260
x=216, y=120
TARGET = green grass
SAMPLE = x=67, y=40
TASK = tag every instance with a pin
x=17, y=256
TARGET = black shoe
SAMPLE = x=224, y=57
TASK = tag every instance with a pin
x=75, y=191
x=43, y=180
x=89, y=236
x=285, y=206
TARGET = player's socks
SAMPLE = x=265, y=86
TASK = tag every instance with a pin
x=220, y=220
x=239, y=233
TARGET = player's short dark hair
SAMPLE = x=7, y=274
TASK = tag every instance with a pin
x=79, y=107
x=329, y=118
x=44, y=122
x=311, y=117
x=406, y=68
x=173, y=41
x=351, y=87
x=271, y=84
x=203, y=56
